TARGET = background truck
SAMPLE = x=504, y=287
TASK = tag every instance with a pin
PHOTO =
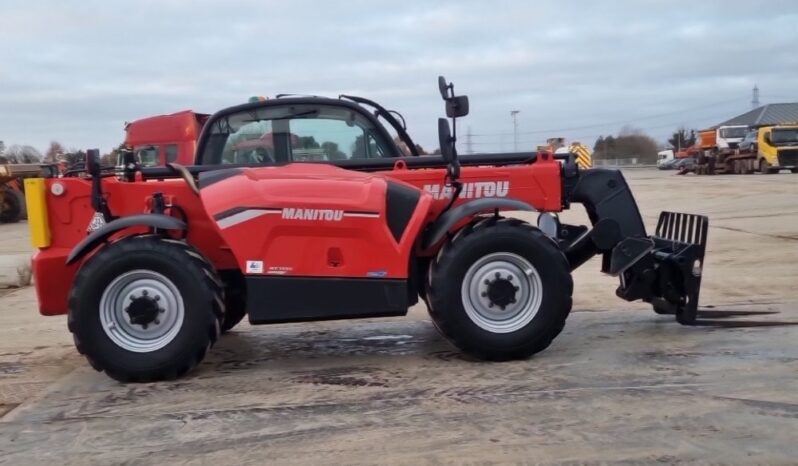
x=776, y=149
x=767, y=149
x=583, y=156
x=163, y=139
x=718, y=149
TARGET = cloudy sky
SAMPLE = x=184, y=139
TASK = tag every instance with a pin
x=76, y=71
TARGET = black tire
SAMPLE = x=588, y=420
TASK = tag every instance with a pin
x=10, y=206
x=764, y=167
x=475, y=243
x=194, y=280
x=235, y=298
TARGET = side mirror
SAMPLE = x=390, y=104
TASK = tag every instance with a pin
x=445, y=140
x=457, y=106
x=93, y=162
x=443, y=87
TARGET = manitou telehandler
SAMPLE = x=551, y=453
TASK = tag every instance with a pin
x=151, y=264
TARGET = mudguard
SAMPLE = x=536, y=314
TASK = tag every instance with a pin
x=89, y=243
x=436, y=232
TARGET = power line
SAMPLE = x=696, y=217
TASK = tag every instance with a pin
x=615, y=123
x=583, y=137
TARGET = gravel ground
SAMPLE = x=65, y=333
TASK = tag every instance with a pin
x=620, y=383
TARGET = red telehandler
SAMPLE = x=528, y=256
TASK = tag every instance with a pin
x=151, y=264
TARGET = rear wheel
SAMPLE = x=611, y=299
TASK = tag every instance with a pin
x=145, y=308
x=764, y=167
x=10, y=206
x=500, y=290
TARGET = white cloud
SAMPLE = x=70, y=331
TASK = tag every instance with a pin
x=75, y=71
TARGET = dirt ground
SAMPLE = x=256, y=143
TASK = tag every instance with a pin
x=621, y=384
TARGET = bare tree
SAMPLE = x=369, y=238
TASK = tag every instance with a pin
x=22, y=154
x=55, y=152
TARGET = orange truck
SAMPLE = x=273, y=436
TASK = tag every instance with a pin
x=162, y=139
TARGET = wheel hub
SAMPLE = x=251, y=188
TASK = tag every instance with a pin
x=500, y=291
x=144, y=310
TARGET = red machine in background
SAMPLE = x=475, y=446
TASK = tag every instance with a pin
x=163, y=139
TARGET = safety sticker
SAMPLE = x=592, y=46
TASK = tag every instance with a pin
x=254, y=266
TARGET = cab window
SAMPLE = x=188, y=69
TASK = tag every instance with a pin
x=171, y=153
x=294, y=133
x=147, y=156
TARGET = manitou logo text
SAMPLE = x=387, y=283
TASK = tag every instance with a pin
x=470, y=190
x=313, y=214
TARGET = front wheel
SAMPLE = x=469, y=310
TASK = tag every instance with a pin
x=500, y=290
x=145, y=308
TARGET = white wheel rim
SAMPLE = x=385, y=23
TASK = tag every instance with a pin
x=116, y=318
x=479, y=292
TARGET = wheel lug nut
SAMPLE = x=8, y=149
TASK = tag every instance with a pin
x=515, y=288
x=145, y=293
x=161, y=310
x=487, y=282
x=157, y=298
x=132, y=297
x=509, y=277
x=498, y=275
x=484, y=293
x=144, y=326
x=156, y=322
x=490, y=304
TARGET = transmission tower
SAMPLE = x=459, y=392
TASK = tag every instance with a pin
x=755, y=97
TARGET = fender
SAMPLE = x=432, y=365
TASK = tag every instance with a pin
x=445, y=222
x=90, y=242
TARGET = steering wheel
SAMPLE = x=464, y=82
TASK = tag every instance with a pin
x=187, y=176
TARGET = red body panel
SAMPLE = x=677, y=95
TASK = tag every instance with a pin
x=361, y=245
x=313, y=221
x=69, y=216
x=538, y=184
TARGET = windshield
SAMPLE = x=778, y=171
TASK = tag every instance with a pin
x=731, y=133
x=285, y=133
x=782, y=136
x=147, y=156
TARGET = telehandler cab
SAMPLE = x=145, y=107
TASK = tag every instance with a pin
x=151, y=264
